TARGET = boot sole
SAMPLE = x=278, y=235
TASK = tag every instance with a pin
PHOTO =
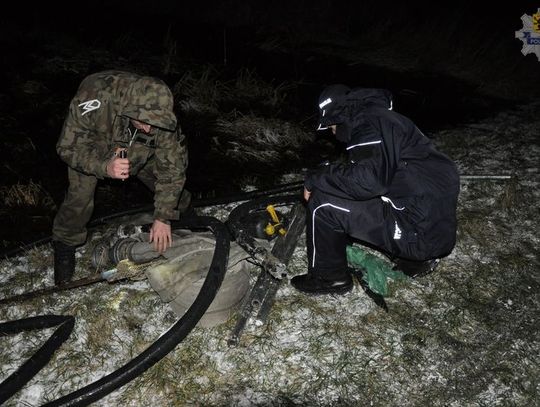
x=328, y=291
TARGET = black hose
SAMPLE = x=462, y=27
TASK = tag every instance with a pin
x=175, y=334
x=166, y=342
x=197, y=203
x=293, y=186
x=42, y=356
x=203, y=202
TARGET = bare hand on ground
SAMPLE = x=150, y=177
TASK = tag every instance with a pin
x=160, y=234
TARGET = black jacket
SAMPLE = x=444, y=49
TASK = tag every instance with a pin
x=389, y=158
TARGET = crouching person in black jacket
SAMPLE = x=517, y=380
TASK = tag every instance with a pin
x=395, y=192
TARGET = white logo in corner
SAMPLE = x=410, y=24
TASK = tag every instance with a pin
x=530, y=34
x=89, y=105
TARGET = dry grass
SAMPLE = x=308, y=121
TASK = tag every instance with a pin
x=251, y=138
x=209, y=90
x=240, y=117
x=465, y=335
x=25, y=195
x=199, y=91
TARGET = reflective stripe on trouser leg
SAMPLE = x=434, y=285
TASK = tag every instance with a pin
x=365, y=221
x=69, y=224
x=326, y=241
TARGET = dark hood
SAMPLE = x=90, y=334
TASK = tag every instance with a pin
x=341, y=104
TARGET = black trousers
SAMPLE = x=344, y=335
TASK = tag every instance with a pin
x=331, y=221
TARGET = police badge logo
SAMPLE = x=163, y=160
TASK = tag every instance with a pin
x=530, y=34
x=536, y=22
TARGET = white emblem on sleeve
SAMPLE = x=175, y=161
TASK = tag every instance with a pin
x=397, y=232
x=89, y=105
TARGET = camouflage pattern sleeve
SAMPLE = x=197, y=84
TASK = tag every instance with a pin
x=78, y=145
x=170, y=170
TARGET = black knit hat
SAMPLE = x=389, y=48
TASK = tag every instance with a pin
x=331, y=104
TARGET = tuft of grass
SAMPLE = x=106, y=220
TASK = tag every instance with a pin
x=511, y=197
x=25, y=195
x=248, y=89
x=209, y=90
x=199, y=91
x=251, y=138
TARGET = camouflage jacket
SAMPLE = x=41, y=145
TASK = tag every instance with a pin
x=97, y=124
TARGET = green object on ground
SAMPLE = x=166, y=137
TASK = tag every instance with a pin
x=375, y=270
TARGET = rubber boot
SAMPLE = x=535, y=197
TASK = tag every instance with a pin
x=64, y=262
x=313, y=284
x=328, y=271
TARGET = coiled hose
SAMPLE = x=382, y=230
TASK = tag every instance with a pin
x=167, y=342
x=162, y=346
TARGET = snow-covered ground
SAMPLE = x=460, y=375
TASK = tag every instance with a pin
x=467, y=335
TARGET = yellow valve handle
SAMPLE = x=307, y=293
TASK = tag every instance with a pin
x=273, y=214
x=271, y=229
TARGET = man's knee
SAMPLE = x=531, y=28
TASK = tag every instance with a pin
x=316, y=199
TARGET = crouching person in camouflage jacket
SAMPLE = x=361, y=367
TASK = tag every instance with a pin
x=115, y=112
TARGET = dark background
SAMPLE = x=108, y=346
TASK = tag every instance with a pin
x=445, y=64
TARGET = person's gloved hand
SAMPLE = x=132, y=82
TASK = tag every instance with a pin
x=160, y=234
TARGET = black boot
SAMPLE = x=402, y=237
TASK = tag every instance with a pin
x=64, y=262
x=416, y=269
x=311, y=283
